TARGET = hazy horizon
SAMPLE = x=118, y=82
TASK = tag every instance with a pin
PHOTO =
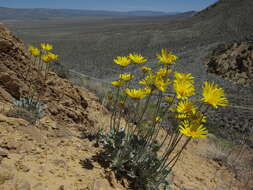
x=113, y=5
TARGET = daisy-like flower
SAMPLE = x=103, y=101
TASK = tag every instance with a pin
x=126, y=77
x=136, y=93
x=163, y=72
x=213, y=95
x=158, y=119
x=148, y=80
x=34, y=51
x=137, y=58
x=45, y=58
x=185, y=106
x=197, y=116
x=147, y=90
x=183, y=89
x=161, y=84
x=52, y=56
x=118, y=83
x=145, y=69
x=166, y=57
x=193, y=115
x=192, y=129
x=46, y=46
x=183, y=76
x=123, y=61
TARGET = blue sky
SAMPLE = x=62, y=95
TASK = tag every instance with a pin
x=119, y=5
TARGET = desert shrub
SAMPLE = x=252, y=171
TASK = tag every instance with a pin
x=28, y=109
x=144, y=143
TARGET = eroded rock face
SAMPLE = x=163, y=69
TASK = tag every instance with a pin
x=233, y=62
x=19, y=77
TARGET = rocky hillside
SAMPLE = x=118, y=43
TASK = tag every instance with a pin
x=233, y=62
x=65, y=102
x=229, y=19
x=49, y=150
x=54, y=153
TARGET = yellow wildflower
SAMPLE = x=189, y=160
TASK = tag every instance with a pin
x=185, y=106
x=158, y=119
x=172, y=109
x=34, y=51
x=145, y=69
x=161, y=84
x=46, y=46
x=126, y=77
x=148, y=80
x=123, y=61
x=52, y=56
x=136, y=94
x=213, y=95
x=169, y=99
x=197, y=116
x=118, y=83
x=166, y=57
x=191, y=129
x=45, y=58
x=137, y=58
x=183, y=89
x=163, y=72
x=30, y=47
x=147, y=90
x=183, y=76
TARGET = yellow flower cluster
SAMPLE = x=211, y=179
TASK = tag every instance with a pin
x=159, y=80
x=49, y=57
x=183, y=85
x=124, y=61
x=46, y=56
x=46, y=46
x=187, y=112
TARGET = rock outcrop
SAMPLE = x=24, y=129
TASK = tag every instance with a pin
x=233, y=62
x=46, y=154
x=20, y=78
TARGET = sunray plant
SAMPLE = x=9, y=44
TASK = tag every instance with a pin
x=43, y=57
x=145, y=145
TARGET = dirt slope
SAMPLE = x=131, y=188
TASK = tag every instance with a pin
x=52, y=154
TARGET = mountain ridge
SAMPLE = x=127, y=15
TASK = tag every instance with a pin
x=45, y=13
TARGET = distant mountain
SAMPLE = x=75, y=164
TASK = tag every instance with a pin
x=12, y=13
x=150, y=13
